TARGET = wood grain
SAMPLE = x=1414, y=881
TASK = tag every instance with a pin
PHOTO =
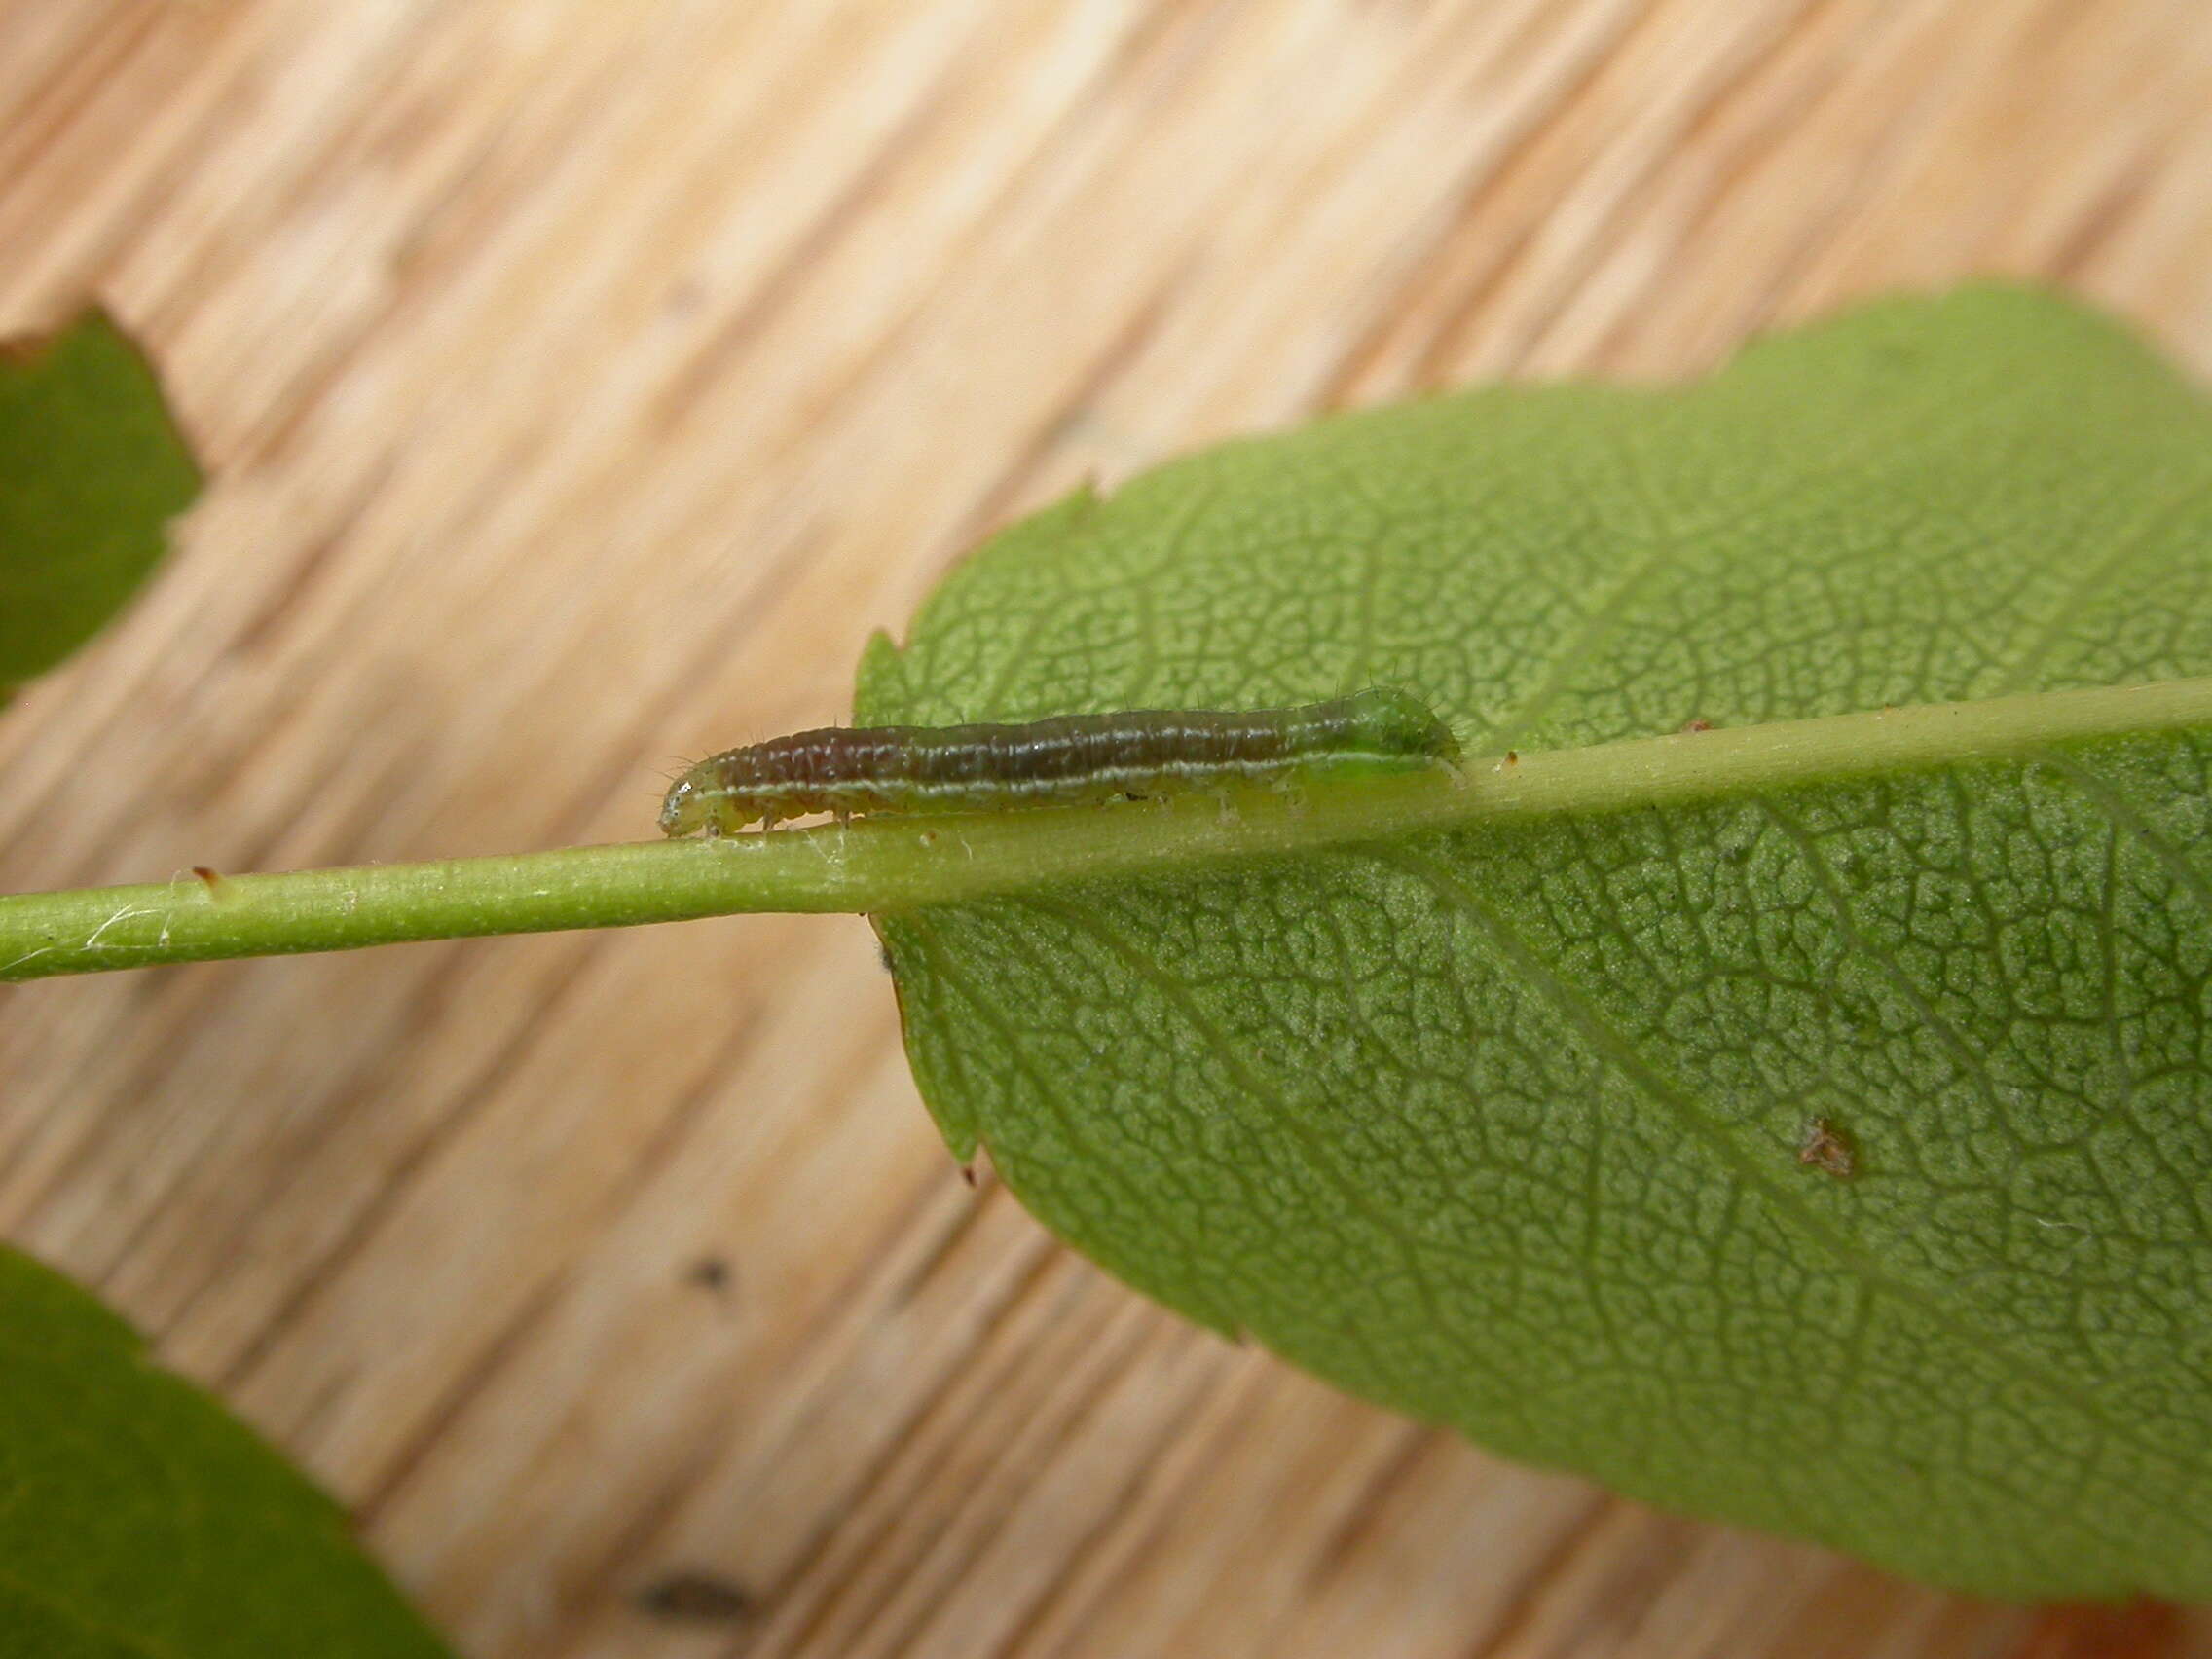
x=582, y=383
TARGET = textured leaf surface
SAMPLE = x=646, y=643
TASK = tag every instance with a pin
x=91, y=470
x=137, y=1520
x=1502, y=1128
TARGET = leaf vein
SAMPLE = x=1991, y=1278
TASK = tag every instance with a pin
x=1580, y=1010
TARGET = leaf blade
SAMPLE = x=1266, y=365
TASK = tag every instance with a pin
x=1501, y=1126
x=139, y=1518
x=92, y=469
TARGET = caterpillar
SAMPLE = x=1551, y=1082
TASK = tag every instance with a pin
x=1066, y=759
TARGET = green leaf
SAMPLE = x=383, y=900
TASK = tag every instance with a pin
x=1537, y=1127
x=137, y=1520
x=91, y=470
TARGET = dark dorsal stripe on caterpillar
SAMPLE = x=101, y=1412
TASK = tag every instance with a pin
x=1064, y=760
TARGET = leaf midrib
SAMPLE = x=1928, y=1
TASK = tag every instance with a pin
x=875, y=863
x=894, y=864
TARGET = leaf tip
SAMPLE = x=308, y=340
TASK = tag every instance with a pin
x=94, y=467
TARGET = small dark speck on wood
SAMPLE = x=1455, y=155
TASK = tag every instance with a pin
x=695, y=1597
x=709, y=1272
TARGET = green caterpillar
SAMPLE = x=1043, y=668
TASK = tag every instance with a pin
x=1063, y=760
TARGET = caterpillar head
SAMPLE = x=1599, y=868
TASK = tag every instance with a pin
x=1398, y=723
x=687, y=807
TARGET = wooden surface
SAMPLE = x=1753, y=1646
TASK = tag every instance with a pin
x=583, y=382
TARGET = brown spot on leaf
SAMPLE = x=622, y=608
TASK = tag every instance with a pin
x=1822, y=1148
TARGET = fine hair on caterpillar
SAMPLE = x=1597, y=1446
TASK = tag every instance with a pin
x=1065, y=759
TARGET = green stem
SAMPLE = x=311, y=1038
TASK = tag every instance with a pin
x=896, y=863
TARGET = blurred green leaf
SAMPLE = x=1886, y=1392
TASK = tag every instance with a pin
x=137, y=1518
x=1830, y=1157
x=92, y=469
